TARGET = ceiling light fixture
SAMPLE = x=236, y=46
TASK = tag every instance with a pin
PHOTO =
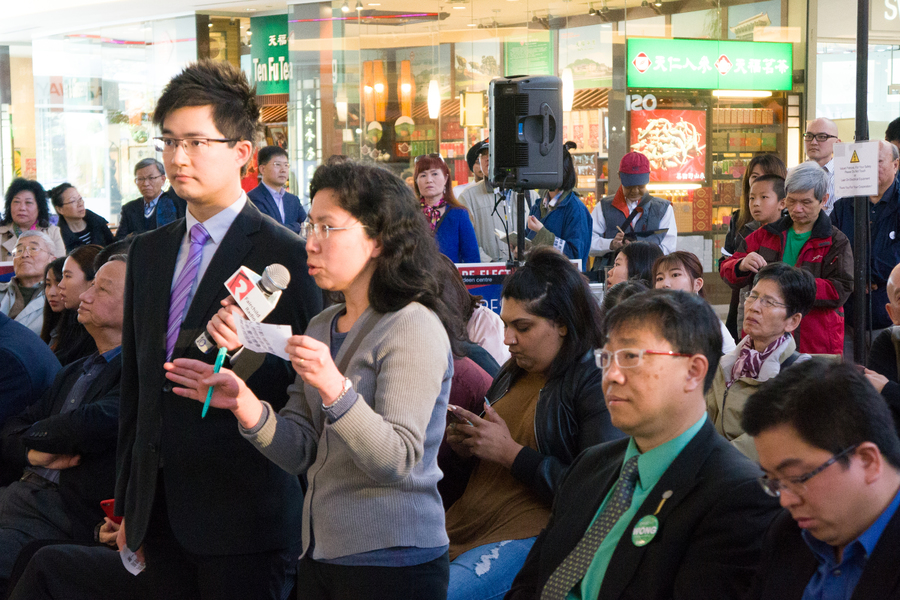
x=359, y=5
x=592, y=12
x=345, y=8
x=658, y=3
x=645, y=4
x=604, y=9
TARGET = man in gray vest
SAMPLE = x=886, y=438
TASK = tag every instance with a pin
x=632, y=213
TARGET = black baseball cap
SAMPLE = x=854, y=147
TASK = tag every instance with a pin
x=474, y=152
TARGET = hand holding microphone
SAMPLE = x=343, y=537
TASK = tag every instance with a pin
x=254, y=302
x=246, y=301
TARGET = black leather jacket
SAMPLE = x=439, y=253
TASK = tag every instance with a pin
x=570, y=416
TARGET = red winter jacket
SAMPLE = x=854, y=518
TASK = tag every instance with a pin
x=827, y=255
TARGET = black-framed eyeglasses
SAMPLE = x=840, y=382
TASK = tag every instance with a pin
x=764, y=301
x=819, y=137
x=797, y=485
x=432, y=155
x=628, y=358
x=191, y=146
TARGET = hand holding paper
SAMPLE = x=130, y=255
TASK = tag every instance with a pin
x=263, y=337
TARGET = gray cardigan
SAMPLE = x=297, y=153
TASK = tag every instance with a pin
x=372, y=473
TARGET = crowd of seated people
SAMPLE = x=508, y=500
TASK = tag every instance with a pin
x=407, y=442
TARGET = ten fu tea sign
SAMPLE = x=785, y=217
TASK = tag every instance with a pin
x=709, y=65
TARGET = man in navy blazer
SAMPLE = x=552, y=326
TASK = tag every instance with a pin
x=64, y=445
x=831, y=454
x=155, y=207
x=269, y=196
x=691, y=526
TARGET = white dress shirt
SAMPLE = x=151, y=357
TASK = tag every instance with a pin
x=278, y=196
x=217, y=226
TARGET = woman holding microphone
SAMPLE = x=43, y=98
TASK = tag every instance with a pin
x=367, y=413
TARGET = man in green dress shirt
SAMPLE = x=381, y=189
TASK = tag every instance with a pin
x=674, y=511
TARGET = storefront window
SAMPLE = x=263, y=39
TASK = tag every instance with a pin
x=384, y=85
x=94, y=94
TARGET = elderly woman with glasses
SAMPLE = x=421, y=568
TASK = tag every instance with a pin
x=780, y=297
x=78, y=226
x=449, y=220
x=26, y=210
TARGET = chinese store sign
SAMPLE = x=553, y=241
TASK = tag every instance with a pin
x=709, y=64
x=309, y=130
x=270, y=70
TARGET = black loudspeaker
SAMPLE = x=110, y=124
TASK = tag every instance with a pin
x=526, y=146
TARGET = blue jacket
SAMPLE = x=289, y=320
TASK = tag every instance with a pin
x=293, y=210
x=29, y=367
x=456, y=236
x=884, y=250
x=570, y=222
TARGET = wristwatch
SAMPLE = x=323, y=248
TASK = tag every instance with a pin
x=346, y=388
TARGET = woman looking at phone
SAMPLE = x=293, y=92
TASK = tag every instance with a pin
x=367, y=412
x=544, y=407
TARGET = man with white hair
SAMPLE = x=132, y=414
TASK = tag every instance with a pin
x=22, y=298
x=805, y=238
x=884, y=225
x=821, y=135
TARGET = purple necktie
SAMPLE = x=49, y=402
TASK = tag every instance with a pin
x=182, y=290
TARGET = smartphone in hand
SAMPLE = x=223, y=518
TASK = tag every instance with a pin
x=455, y=418
x=108, y=506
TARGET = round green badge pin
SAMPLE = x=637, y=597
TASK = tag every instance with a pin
x=644, y=531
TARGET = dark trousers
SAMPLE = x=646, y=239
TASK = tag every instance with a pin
x=172, y=573
x=322, y=581
x=75, y=572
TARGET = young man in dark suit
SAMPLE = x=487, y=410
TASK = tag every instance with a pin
x=155, y=208
x=211, y=516
x=831, y=454
x=269, y=196
x=674, y=511
x=64, y=445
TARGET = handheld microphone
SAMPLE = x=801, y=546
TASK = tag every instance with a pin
x=256, y=295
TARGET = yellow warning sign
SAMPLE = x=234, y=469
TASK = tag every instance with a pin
x=854, y=158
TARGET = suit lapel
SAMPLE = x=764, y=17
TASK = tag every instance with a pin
x=880, y=577
x=154, y=282
x=101, y=382
x=680, y=478
x=272, y=208
x=228, y=257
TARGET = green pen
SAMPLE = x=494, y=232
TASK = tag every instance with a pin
x=220, y=358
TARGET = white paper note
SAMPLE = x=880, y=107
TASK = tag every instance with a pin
x=263, y=337
x=133, y=564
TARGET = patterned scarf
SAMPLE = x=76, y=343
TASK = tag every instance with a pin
x=432, y=213
x=750, y=361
